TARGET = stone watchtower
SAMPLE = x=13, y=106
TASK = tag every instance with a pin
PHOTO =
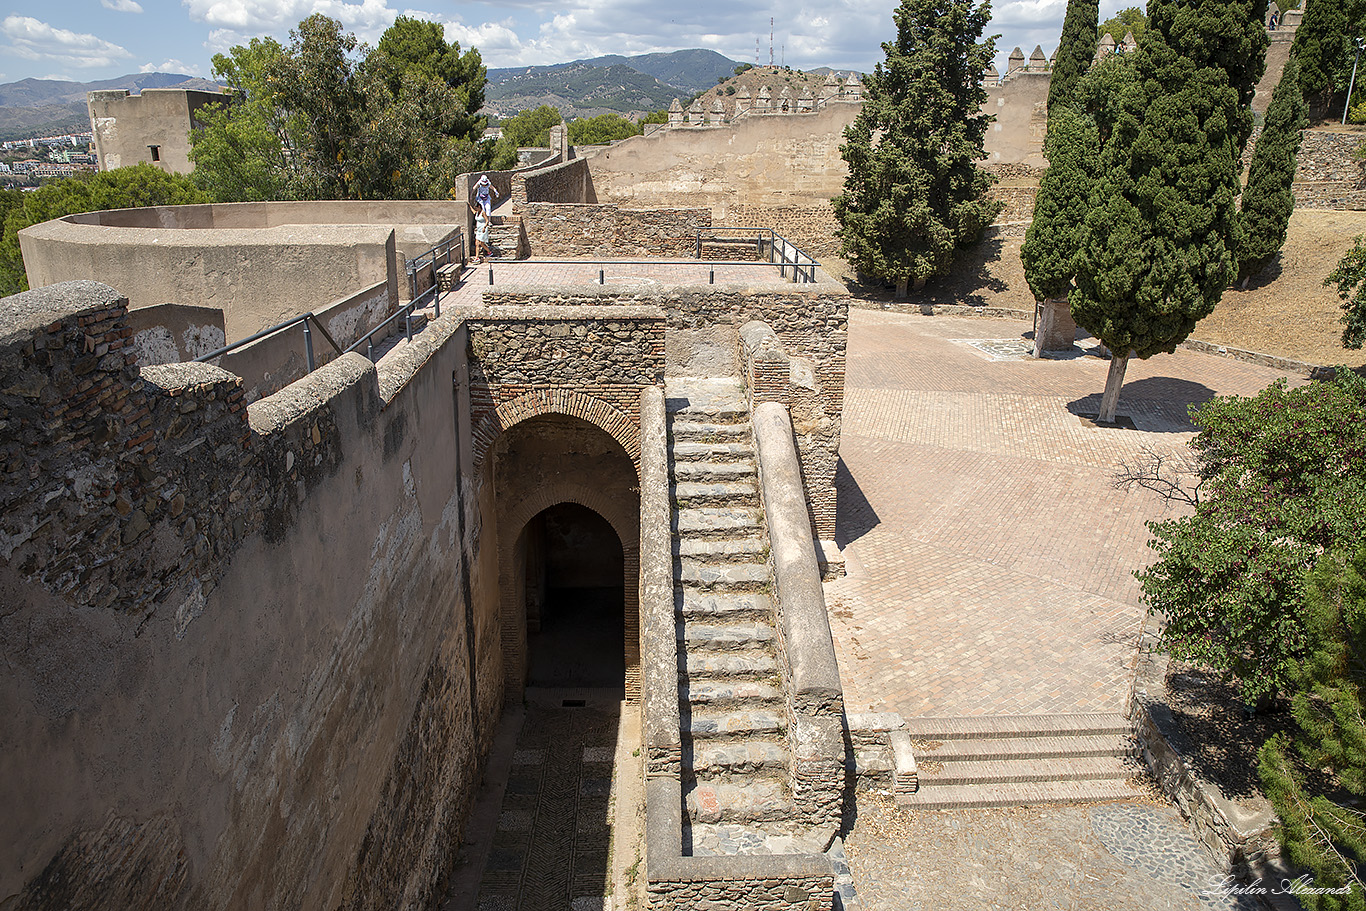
x=153, y=127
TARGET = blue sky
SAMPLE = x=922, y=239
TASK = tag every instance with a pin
x=85, y=40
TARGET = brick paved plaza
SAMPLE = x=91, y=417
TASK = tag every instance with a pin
x=989, y=558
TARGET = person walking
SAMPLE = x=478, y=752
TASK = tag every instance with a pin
x=484, y=194
x=481, y=234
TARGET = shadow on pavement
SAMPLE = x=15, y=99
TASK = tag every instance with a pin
x=1158, y=404
x=854, y=515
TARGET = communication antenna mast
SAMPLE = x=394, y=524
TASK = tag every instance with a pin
x=756, y=51
x=770, y=41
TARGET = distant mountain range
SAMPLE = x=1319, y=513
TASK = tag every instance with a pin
x=586, y=88
x=582, y=88
x=33, y=107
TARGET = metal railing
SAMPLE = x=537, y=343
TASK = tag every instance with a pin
x=780, y=251
x=433, y=258
x=406, y=311
x=280, y=327
x=368, y=340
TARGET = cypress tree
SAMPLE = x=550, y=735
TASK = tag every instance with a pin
x=1076, y=50
x=1156, y=251
x=1267, y=198
x=1049, y=252
x=1321, y=47
x=914, y=193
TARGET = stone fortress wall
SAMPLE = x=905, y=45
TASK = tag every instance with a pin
x=152, y=126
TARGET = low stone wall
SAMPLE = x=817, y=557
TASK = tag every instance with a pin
x=783, y=882
x=251, y=654
x=659, y=641
x=1329, y=155
x=1019, y=204
x=590, y=230
x=1236, y=835
x=815, y=696
x=1329, y=194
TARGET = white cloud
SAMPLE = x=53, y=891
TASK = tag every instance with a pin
x=234, y=21
x=31, y=39
x=172, y=65
x=122, y=6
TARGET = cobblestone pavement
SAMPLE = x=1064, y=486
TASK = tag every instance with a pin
x=1107, y=857
x=989, y=558
x=552, y=846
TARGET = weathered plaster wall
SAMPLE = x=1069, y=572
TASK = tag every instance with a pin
x=123, y=126
x=252, y=655
x=292, y=268
x=171, y=333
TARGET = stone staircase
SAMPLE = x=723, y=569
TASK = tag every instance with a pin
x=732, y=701
x=1010, y=760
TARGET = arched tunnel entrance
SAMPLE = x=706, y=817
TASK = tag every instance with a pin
x=575, y=599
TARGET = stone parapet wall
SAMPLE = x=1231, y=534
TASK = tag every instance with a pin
x=810, y=227
x=221, y=616
x=607, y=230
x=1019, y=203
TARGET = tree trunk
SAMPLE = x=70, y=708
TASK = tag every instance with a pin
x=920, y=283
x=1113, y=381
x=901, y=284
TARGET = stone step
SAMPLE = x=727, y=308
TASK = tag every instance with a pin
x=709, y=431
x=968, y=796
x=700, y=663
x=742, y=492
x=725, y=605
x=723, y=576
x=876, y=761
x=714, y=471
x=722, y=839
x=730, y=757
x=746, y=723
x=1016, y=726
x=716, y=550
x=718, y=400
x=1030, y=748
x=1007, y=771
x=725, y=636
x=717, y=522
x=714, y=452
x=756, y=800
x=728, y=692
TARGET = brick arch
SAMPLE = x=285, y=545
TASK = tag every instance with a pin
x=624, y=520
x=603, y=415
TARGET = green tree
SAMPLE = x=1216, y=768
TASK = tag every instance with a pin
x=1350, y=277
x=1049, y=252
x=601, y=129
x=530, y=129
x=655, y=117
x=914, y=193
x=1319, y=828
x=239, y=149
x=1076, y=50
x=318, y=84
x=1283, y=482
x=414, y=47
x=1323, y=48
x=1127, y=21
x=121, y=188
x=1268, y=200
x=1156, y=249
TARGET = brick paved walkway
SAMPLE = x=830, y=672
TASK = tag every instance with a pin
x=990, y=560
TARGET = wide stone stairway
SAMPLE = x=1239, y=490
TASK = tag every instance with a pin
x=732, y=701
x=1009, y=760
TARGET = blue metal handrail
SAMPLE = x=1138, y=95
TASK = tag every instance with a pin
x=406, y=311
x=278, y=327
